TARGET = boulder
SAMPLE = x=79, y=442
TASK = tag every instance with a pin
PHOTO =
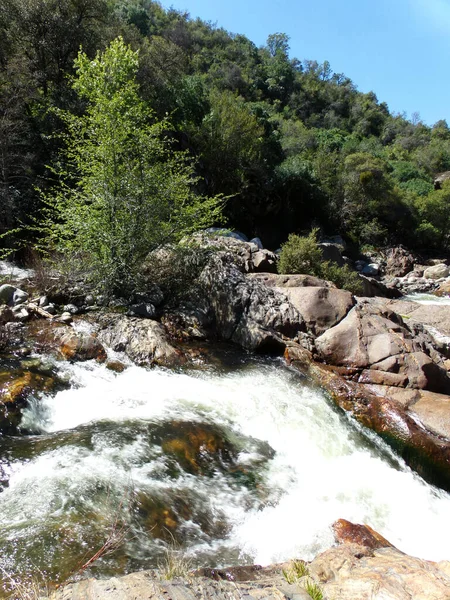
x=431, y=315
x=372, y=270
x=439, y=179
x=399, y=262
x=246, y=311
x=80, y=346
x=372, y=287
x=373, y=339
x=320, y=307
x=436, y=271
x=264, y=261
x=144, y=341
x=331, y=252
x=19, y=297
x=443, y=289
x=287, y=281
x=7, y=293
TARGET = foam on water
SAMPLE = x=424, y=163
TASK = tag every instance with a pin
x=323, y=468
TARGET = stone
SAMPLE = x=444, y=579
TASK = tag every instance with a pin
x=21, y=313
x=436, y=271
x=257, y=242
x=19, y=297
x=443, y=289
x=80, y=346
x=346, y=532
x=71, y=309
x=399, y=262
x=372, y=269
x=143, y=309
x=264, y=261
x=368, y=336
x=144, y=341
x=7, y=293
x=372, y=287
x=65, y=318
x=320, y=307
x=287, y=281
x=43, y=301
x=50, y=308
x=331, y=252
x=89, y=300
x=246, y=311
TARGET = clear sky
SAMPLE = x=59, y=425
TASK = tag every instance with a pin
x=400, y=49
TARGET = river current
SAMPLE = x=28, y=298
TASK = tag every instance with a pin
x=276, y=463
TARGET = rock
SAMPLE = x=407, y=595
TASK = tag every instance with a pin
x=288, y=281
x=363, y=535
x=50, y=308
x=116, y=366
x=65, y=318
x=79, y=346
x=264, y=261
x=436, y=271
x=399, y=262
x=353, y=572
x=71, y=309
x=43, y=301
x=6, y=315
x=143, y=341
x=372, y=269
x=7, y=294
x=439, y=179
x=257, y=242
x=320, y=307
x=331, y=252
x=237, y=235
x=373, y=287
x=246, y=311
x=89, y=300
x=443, y=289
x=21, y=313
x=432, y=315
x=19, y=297
x=147, y=311
x=369, y=336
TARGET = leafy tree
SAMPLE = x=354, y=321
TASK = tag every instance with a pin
x=122, y=190
x=434, y=217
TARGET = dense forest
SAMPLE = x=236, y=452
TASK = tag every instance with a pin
x=290, y=143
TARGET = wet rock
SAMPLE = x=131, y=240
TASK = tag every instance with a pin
x=78, y=346
x=116, y=366
x=143, y=341
x=436, y=271
x=346, y=532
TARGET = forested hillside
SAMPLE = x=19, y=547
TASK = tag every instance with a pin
x=291, y=143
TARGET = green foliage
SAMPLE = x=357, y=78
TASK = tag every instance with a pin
x=434, y=217
x=122, y=190
x=301, y=254
x=295, y=571
x=313, y=590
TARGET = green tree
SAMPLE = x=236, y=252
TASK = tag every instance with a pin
x=122, y=190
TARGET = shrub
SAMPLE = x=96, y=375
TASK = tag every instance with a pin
x=303, y=255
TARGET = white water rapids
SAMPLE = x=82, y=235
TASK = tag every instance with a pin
x=95, y=436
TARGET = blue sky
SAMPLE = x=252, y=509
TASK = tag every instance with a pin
x=400, y=49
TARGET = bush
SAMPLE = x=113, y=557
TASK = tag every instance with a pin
x=303, y=255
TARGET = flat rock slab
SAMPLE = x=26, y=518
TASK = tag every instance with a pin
x=142, y=586
x=433, y=315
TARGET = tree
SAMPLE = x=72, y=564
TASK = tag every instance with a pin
x=122, y=191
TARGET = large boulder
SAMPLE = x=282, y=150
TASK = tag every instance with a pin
x=436, y=271
x=246, y=311
x=290, y=281
x=143, y=341
x=399, y=262
x=320, y=307
x=376, y=342
x=80, y=346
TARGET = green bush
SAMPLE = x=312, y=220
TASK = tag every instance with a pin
x=301, y=254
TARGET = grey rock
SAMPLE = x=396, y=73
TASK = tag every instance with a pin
x=142, y=309
x=331, y=252
x=257, y=242
x=7, y=293
x=89, y=300
x=19, y=297
x=436, y=271
x=50, y=308
x=71, y=309
x=372, y=269
x=43, y=301
x=65, y=318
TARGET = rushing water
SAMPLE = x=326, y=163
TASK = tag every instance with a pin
x=277, y=465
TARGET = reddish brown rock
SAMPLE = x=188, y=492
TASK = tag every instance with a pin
x=363, y=535
x=76, y=346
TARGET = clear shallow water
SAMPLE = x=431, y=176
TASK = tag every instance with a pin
x=289, y=467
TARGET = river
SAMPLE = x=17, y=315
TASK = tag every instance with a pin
x=275, y=464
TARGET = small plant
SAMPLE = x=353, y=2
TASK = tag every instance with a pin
x=296, y=570
x=175, y=562
x=33, y=587
x=313, y=590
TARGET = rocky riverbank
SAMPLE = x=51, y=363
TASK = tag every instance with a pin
x=384, y=361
